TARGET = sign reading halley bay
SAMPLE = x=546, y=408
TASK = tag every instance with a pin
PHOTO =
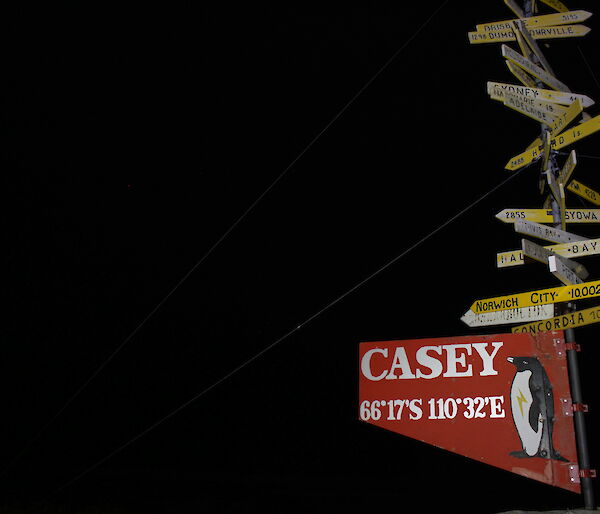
x=504, y=399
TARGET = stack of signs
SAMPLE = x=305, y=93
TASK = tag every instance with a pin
x=462, y=393
x=561, y=113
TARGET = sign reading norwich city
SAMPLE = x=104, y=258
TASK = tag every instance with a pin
x=448, y=392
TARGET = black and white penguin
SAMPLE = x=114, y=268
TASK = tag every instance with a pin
x=532, y=405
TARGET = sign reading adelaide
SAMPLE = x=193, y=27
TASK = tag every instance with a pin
x=461, y=393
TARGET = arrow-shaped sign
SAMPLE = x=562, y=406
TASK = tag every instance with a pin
x=533, y=69
x=545, y=215
x=584, y=191
x=570, y=320
x=537, y=21
x=573, y=249
x=509, y=316
x=559, y=97
x=560, y=141
x=539, y=297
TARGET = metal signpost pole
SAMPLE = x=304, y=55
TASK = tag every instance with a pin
x=572, y=348
x=579, y=409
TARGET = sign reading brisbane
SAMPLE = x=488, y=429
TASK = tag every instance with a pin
x=501, y=399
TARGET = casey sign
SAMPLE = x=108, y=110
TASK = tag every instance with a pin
x=501, y=399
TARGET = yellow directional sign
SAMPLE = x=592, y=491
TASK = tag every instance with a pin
x=545, y=215
x=570, y=320
x=512, y=5
x=543, y=95
x=584, y=191
x=539, y=297
x=507, y=35
x=567, y=170
x=556, y=5
x=571, y=250
x=560, y=141
x=533, y=69
x=555, y=110
x=520, y=75
x=546, y=20
x=527, y=107
x=528, y=44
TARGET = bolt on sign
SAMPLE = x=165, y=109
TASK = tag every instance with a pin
x=501, y=399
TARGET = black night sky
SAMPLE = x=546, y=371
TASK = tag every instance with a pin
x=135, y=137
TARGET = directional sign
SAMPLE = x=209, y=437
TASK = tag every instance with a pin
x=553, y=109
x=545, y=232
x=570, y=320
x=524, y=107
x=533, y=69
x=524, y=78
x=509, y=316
x=557, y=5
x=539, y=297
x=561, y=271
x=545, y=215
x=559, y=97
x=567, y=170
x=507, y=35
x=574, y=249
x=532, y=44
x=512, y=5
x=560, y=141
x=541, y=254
x=533, y=22
x=475, y=396
x=563, y=120
x=584, y=191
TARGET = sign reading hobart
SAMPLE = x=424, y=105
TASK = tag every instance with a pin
x=449, y=391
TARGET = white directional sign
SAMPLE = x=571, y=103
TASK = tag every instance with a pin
x=553, y=109
x=533, y=69
x=541, y=254
x=545, y=232
x=559, y=97
x=561, y=271
x=526, y=314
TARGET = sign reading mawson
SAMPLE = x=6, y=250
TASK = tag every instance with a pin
x=499, y=399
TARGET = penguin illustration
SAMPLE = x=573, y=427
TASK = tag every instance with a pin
x=532, y=405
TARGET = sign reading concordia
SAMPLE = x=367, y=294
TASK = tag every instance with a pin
x=570, y=320
x=539, y=297
x=545, y=215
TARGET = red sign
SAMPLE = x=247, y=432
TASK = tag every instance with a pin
x=501, y=399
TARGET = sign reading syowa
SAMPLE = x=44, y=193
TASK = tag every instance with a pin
x=500, y=399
